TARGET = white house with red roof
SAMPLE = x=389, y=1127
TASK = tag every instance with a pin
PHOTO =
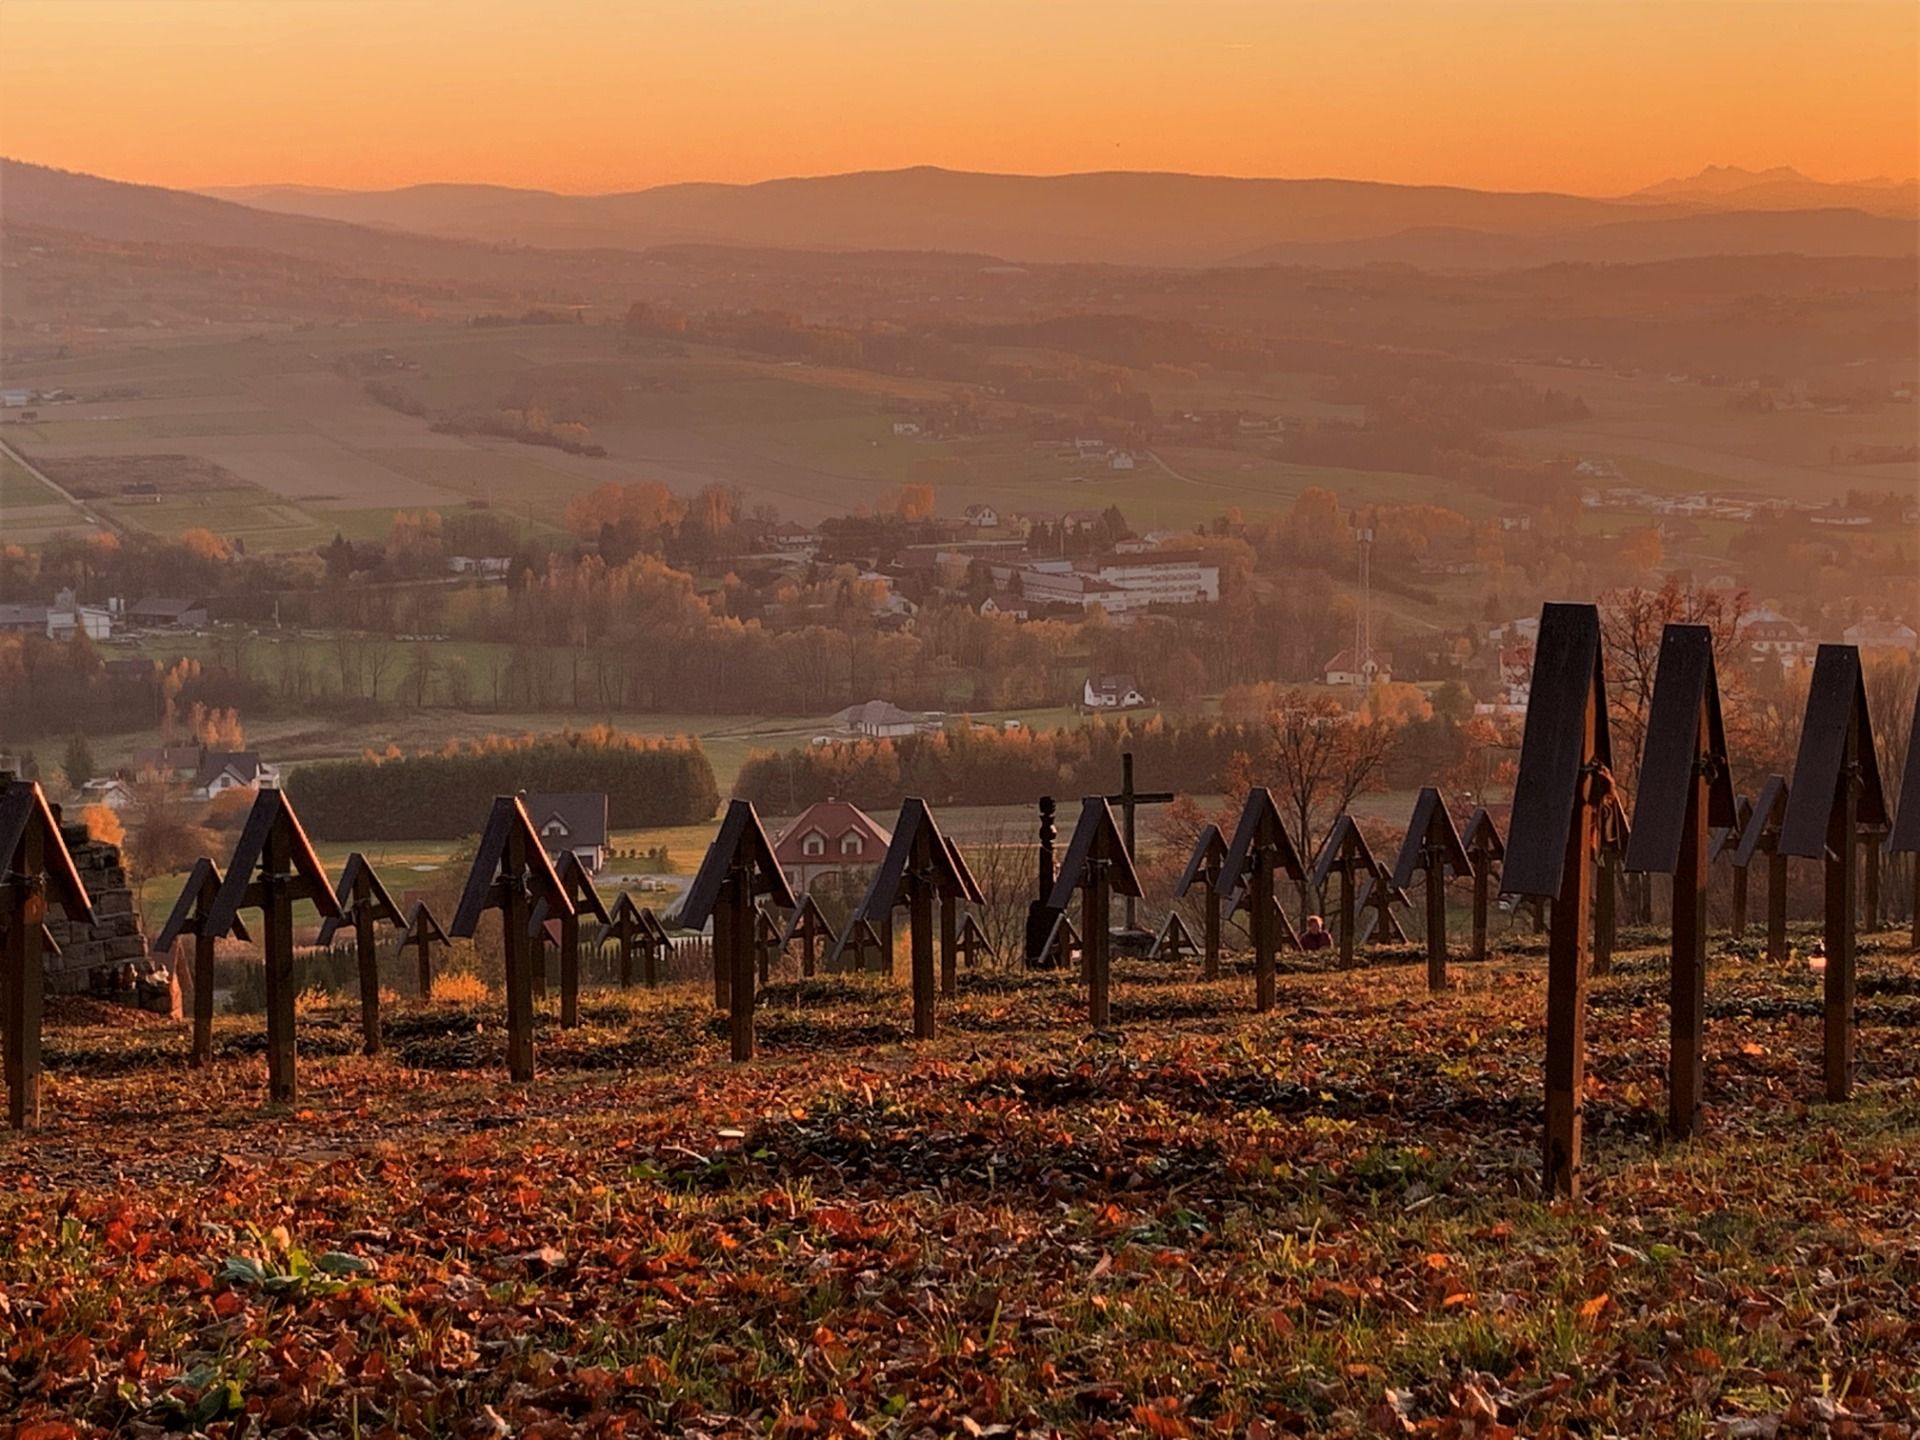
x=830, y=836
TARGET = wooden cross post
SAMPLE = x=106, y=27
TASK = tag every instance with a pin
x=1836, y=790
x=1203, y=868
x=918, y=868
x=1612, y=837
x=422, y=932
x=1870, y=844
x=970, y=892
x=511, y=873
x=738, y=866
x=972, y=941
x=189, y=917
x=274, y=865
x=1434, y=850
x=1485, y=849
x=624, y=927
x=1905, y=839
x=1260, y=846
x=38, y=869
x=1686, y=790
x=364, y=902
x=1724, y=844
x=1347, y=853
x=1097, y=864
x=577, y=881
x=1174, y=941
x=1761, y=836
x=1565, y=780
x=808, y=925
x=1129, y=801
x=1040, y=916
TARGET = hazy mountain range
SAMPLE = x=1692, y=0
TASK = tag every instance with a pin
x=1113, y=217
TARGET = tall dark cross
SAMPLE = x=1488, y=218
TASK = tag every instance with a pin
x=511, y=873
x=1761, y=836
x=1485, y=849
x=739, y=866
x=1432, y=849
x=1203, y=868
x=1725, y=845
x=950, y=901
x=38, y=869
x=1565, y=780
x=1347, y=853
x=1129, y=800
x=1686, y=789
x=918, y=869
x=1905, y=839
x=577, y=881
x=1260, y=847
x=1098, y=862
x=1836, y=790
x=1615, y=834
x=189, y=917
x=1040, y=913
x=422, y=932
x=364, y=901
x=808, y=924
x=274, y=865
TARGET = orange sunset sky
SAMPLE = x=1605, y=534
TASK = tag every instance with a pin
x=1599, y=96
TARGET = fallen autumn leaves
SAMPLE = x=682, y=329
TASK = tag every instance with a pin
x=1321, y=1221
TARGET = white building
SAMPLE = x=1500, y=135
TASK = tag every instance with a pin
x=1112, y=692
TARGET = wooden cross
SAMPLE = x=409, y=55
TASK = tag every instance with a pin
x=1485, y=849
x=422, y=931
x=1686, y=788
x=1613, y=836
x=1260, y=846
x=1905, y=839
x=950, y=902
x=972, y=940
x=623, y=924
x=857, y=941
x=364, y=901
x=1129, y=800
x=511, y=873
x=1203, y=868
x=738, y=867
x=1433, y=849
x=577, y=881
x=1098, y=862
x=1724, y=844
x=1347, y=854
x=1040, y=915
x=1063, y=945
x=38, y=868
x=1175, y=941
x=1836, y=790
x=274, y=865
x=189, y=917
x=808, y=924
x=918, y=868
x=1374, y=901
x=1565, y=781
x=1761, y=836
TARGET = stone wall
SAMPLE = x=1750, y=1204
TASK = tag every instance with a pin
x=109, y=958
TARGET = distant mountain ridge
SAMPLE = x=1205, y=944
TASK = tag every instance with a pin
x=1117, y=217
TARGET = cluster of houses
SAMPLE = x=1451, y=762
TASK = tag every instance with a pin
x=199, y=772
x=66, y=617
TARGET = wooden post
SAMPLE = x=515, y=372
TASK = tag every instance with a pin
x=569, y=971
x=1095, y=939
x=1840, y=876
x=1260, y=899
x=1687, y=976
x=522, y=958
x=276, y=888
x=1211, y=919
x=949, y=945
x=25, y=980
x=1606, y=903
x=367, y=956
x=1482, y=879
x=1436, y=871
x=722, y=956
x=202, y=1053
x=738, y=903
x=920, y=945
x=1567, y=995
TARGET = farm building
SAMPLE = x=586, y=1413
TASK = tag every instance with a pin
x=572, y=820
